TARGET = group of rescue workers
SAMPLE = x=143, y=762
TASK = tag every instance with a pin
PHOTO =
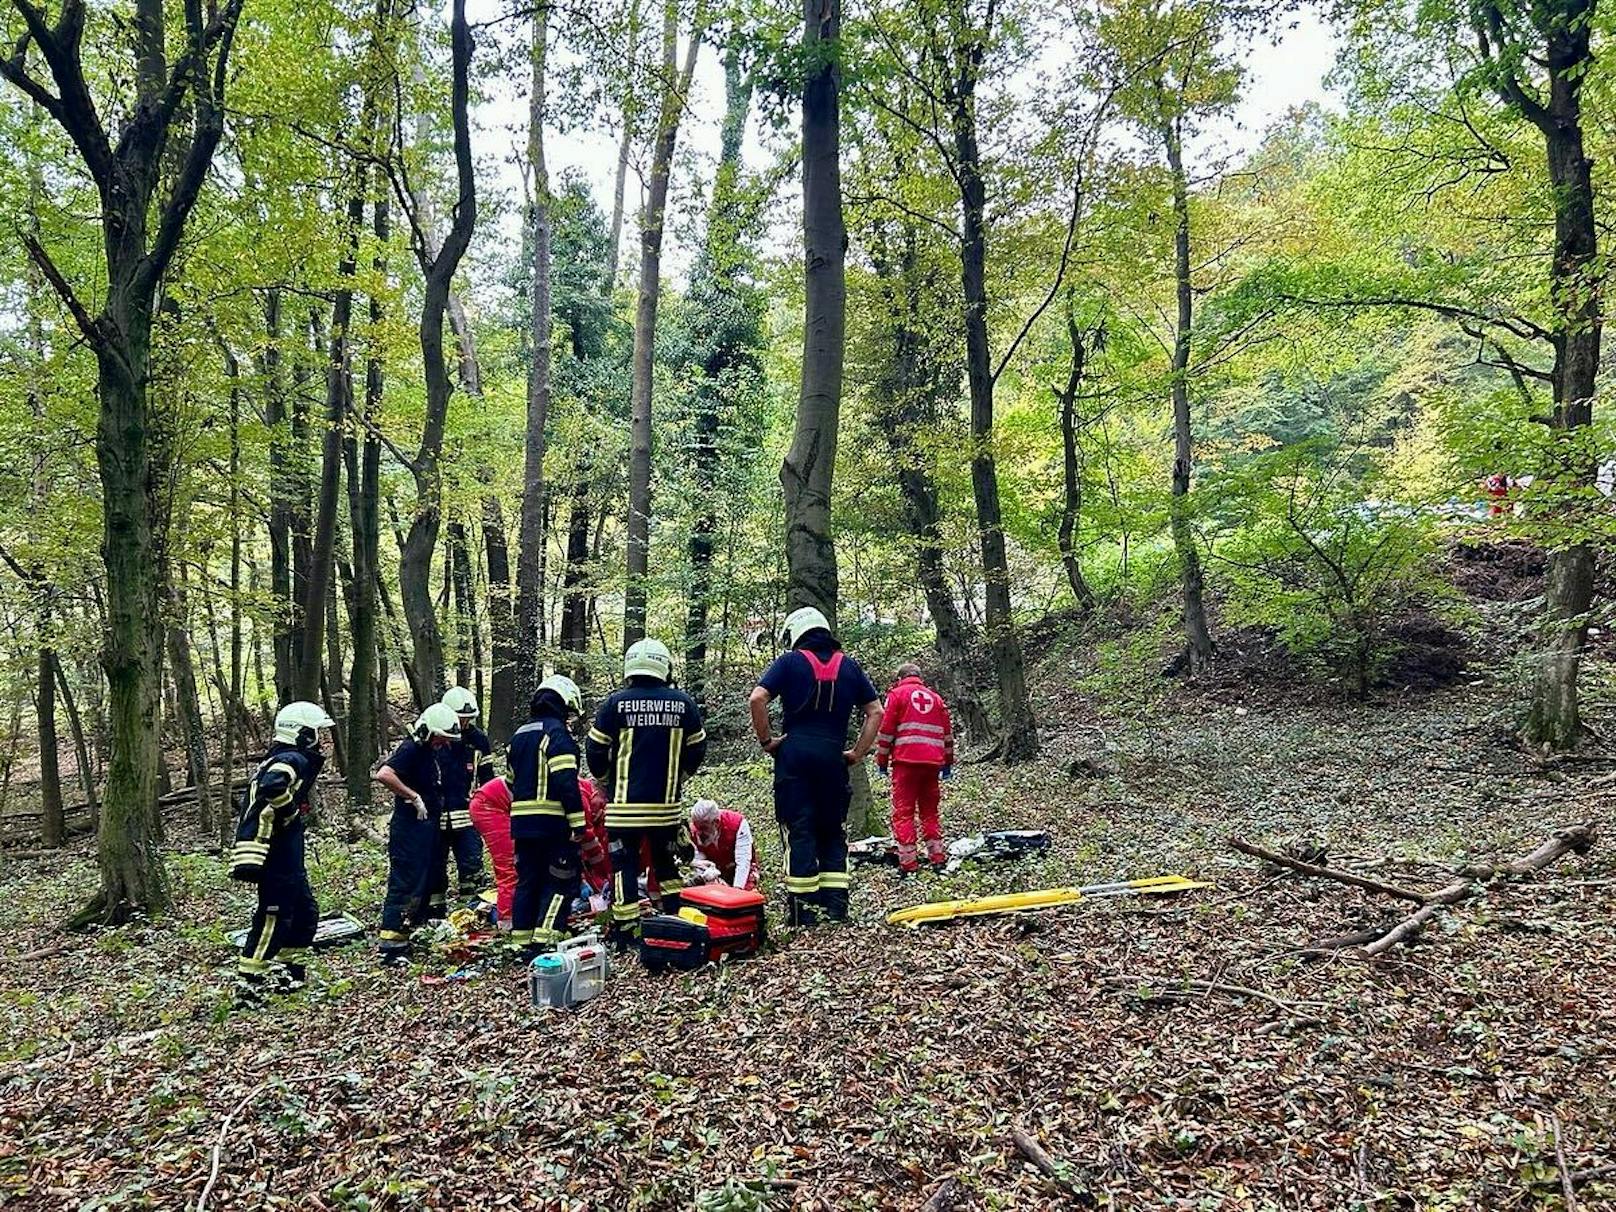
x=560, y=842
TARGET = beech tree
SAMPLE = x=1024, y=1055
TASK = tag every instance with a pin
x=175, y=116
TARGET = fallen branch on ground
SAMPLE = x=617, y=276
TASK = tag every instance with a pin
x=1039, y=1157
x=1574, y=839
x=1567, y=1187
x=1329, y=873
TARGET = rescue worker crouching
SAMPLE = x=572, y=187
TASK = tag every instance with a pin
x=723, y=841
x=269, y=851
x=415, y=840
x=818, y=686
x=647, y=739
x=467, y=764
x=547, y=817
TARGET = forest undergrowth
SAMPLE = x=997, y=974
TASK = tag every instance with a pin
x=876, y=1067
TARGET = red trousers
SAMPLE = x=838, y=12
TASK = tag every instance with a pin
x=495, y=826
x=916, y=789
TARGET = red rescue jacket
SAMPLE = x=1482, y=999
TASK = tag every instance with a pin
x=915, y=728
x=731, y=852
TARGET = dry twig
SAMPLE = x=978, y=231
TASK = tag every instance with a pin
x=1039, y=1157
x=1329, y=873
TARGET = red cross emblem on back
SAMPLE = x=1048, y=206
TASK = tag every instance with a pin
x=922, y=701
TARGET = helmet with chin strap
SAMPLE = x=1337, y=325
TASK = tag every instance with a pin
x=437, y=720
x=299, y=724
x=800, y=622
x=461, y=701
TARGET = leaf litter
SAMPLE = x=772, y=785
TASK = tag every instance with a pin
x=1160, y=1053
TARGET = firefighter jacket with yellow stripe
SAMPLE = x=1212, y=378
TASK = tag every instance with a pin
x=647, y=739
x=270, y=822
x=467, y=764
x=543, y=771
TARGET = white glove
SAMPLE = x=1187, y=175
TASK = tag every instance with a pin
x=420, y=807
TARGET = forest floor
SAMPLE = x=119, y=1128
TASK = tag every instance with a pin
x=867, y=1066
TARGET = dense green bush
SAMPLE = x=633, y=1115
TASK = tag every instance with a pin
x=1327, y=564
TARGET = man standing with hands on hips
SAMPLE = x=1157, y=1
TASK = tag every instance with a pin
x=819, y=687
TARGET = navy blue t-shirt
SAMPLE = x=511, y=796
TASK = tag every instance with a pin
x=810, y=707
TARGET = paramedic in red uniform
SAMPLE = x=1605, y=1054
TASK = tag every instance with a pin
x=819, y=688
x=724, y=839
x=916, y=745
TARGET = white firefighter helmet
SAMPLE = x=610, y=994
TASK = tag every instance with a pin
x=648, y=659
x=299, y=724
x=566, y=690
x=461, y=701
x=801, y=621
x=437, y=720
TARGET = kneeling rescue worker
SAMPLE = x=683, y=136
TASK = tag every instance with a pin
x=818, y=686
x=547, y=817
x=646, y=740
x=723, y=841
x=415, y=839
x=269, y=850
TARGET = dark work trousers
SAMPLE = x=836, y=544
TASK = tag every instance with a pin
x=812, y=794
x=416, y=855
x=626, y=848
x=284, y=921
x=548, y=872
x=466, y=846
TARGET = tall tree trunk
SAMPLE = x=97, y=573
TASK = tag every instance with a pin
x=675, y=88
x=1072, y=468
x=188, y=701
x=233, y=708
x=718, y=257
x=1020, y=730
x=338, y=397
x=468, y=638
x=574, y=632
x=907, y=394
x=614, y=253
x=501, y=623
x=806, y=472
x=53, y=822
x=530, y=553
x=282, y=492
x=364, y=523
x=421, y=540
x=1198, y=652
x=1576, y=282
x=625, y=145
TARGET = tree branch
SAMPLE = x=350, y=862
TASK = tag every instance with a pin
x=53, y=275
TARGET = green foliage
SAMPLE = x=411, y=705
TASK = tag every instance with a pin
x=1325, y=562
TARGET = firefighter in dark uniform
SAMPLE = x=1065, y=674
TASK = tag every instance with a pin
x=819, y=688
x=468, y=763
x=547, y=817
x=415, y=839
x=647, y=739
x=269, y=852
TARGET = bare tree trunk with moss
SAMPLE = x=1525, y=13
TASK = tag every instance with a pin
x=1020, y=738
x=1558, y=35
x=531, y=542
x=363, y=452
x=1198, y=636
x=810, y=463
x=1072, y=463
x=675, y=89
x=421, y=539
x=180, y=108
